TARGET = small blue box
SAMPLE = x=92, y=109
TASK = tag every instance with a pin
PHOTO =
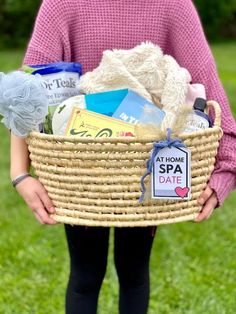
x=106, y=102
x=122, y=104
x=132, y=107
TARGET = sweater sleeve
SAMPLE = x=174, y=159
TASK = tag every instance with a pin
x=50, y=38
x=189, y=46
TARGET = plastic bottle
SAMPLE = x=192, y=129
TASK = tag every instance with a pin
x=198, y=120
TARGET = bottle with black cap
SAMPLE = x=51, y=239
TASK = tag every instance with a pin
x=198, y=120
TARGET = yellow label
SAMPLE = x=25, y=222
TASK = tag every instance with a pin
x=85, y=123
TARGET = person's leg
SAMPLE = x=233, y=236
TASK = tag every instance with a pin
x=88, y=248
x=132, y=254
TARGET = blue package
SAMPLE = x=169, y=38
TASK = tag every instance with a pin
x=132, y=107
x=60, y=80
x=106, y=102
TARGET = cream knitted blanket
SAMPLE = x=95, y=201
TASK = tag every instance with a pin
x=144, y=69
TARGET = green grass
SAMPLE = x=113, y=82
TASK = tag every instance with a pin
x=193, y=267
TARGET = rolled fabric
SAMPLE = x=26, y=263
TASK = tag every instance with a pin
x=195, y=91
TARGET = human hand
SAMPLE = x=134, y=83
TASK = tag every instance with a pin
x=208, y=200
x=36, y=197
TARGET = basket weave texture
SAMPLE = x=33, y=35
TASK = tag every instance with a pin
x=96, y=181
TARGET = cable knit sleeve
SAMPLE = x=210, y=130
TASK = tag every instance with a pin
x=50, y=39
x=190, y=48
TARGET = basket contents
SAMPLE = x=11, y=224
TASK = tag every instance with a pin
x=120, y=140
x=122, y=104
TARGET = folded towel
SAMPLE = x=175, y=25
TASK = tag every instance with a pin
x=144, y=69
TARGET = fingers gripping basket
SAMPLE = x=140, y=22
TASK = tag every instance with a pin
x=96, y=182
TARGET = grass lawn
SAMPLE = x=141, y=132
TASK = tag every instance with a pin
x=193, y=267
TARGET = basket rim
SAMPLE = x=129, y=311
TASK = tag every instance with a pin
x=148, y=138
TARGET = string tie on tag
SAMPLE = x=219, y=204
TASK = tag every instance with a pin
x=157, y=146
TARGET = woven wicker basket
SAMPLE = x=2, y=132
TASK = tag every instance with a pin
x=96, y=182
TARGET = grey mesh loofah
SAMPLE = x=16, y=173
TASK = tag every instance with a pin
x=23, y=102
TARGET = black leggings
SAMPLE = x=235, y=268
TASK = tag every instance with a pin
x=88, y=249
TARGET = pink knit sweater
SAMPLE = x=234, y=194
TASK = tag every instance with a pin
x=80, y=30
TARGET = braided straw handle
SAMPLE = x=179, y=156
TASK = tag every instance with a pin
x=217, y=109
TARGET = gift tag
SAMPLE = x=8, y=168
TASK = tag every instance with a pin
x=171, y=174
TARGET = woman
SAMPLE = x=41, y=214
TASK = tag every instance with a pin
x=80, y=30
